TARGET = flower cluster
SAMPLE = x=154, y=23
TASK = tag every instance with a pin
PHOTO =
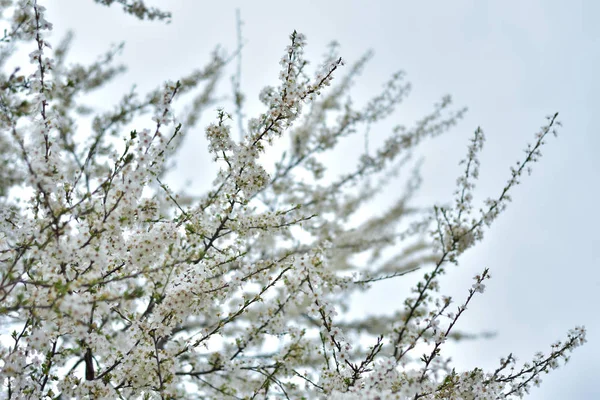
x=113, y=285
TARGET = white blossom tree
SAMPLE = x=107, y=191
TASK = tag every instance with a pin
x=113, y=285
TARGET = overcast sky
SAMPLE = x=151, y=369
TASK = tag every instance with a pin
x=511, y=62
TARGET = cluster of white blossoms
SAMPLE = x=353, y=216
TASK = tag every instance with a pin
x=115, y=286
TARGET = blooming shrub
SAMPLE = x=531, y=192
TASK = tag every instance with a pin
x=112, y=285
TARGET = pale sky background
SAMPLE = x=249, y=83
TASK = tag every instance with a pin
x=511, y=62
